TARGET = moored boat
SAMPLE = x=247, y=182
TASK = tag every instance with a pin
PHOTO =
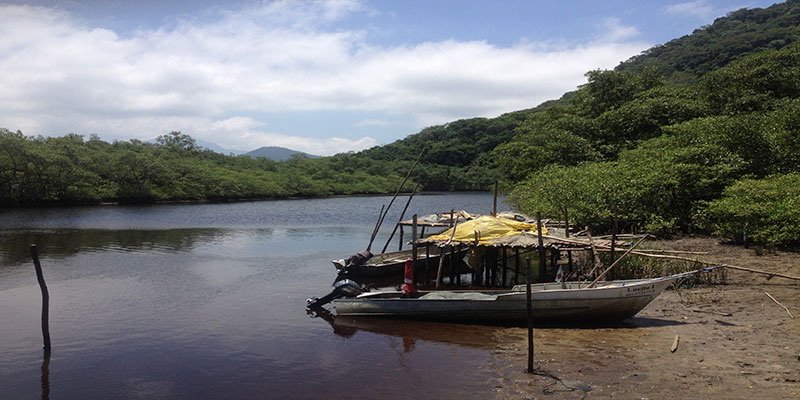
x=612, y=300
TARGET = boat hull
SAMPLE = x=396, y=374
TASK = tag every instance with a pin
x=391, y=263
x=613, y=301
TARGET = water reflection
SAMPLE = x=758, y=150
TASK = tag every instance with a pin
x=62, y=243
x=206, y=301
x=46, y=376
x=410, y=331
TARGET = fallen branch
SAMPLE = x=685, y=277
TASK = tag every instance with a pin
x=778, y=303
x=724, y=314
x=675, y=344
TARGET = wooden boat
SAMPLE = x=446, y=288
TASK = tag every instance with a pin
x=392, y=263
x=612, y=300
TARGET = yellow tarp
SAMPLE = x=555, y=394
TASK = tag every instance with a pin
x=488, y=228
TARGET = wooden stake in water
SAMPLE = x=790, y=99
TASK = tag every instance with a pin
x=530, y=317
x=45, y=300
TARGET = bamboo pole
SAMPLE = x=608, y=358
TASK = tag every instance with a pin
x=755, y=271
x=442, y=254
x=377, y=226
x=383, y=214
x=594, y=282
x=402, y=214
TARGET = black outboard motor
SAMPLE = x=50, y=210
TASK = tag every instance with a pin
x=342, y=288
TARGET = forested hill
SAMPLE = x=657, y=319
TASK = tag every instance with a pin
x=459, y=154
x=740, y=33
x=677, y=139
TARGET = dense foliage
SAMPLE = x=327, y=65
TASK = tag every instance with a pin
x=661, y=166
x=738, y=34
x=700, y=134
x=767, y=210
x=38, y=170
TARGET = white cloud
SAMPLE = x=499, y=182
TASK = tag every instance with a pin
x=697, y=9
x=213, y=79
x=617, y=32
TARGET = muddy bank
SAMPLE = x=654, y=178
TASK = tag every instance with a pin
x=734, y=342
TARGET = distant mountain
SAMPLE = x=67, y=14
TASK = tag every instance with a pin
x=277, y=153
x=217, y=148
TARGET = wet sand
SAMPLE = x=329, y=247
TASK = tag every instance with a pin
x=734, y=341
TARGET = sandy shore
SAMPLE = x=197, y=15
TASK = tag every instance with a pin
x=734, y=342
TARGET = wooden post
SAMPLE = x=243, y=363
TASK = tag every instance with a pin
x=542, y=257
x=457, y=265
x=530, y=314
x=441, y=267
x=516, y=266
x=45, y=300
x=400, y=245
x=613, y=240
x=452, y=270
x=505, y=268
x=487, y=267
x=442, y=254
x=494, y=207
x=414, y=247
x=427, y=263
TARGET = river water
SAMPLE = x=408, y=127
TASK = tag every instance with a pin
x=207, y=301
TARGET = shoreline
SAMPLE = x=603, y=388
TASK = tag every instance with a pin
x=733, y=341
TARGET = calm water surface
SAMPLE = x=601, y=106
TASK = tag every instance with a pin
x=208, y=301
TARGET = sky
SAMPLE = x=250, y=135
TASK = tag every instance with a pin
x=322, y=77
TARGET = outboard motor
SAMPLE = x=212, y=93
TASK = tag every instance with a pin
x=342, y=288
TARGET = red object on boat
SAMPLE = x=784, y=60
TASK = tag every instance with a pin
x=408, y=278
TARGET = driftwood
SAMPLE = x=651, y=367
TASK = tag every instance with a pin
x=724, y=314
x=778, y=303
x=675, y=344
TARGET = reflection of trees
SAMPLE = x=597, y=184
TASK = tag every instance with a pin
x=62, y=243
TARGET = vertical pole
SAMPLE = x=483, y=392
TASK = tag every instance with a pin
x=414, y=247
x=569, y=252
x=542, y=257
x=427, y=263
x=494, y=207
x=400, y=245
x=45, y=300
x=452, y=270
x=530, y=317
x=614, y=241
x=458, y=265
x=516, y=266
x=505, y=267
x=487, y=267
